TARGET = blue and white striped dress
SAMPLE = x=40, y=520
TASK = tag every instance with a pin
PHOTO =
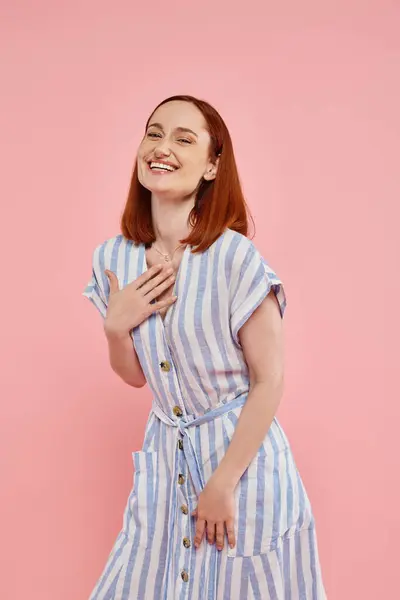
x=195, y=367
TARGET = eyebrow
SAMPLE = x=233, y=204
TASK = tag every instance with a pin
x=181, y=129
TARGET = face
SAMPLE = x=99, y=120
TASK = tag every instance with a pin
x=173, y=156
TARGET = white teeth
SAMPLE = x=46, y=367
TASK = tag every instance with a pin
x=155, y=165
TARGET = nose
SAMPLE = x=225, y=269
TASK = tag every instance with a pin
x=162, y=148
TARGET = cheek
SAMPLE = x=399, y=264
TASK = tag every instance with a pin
x=193, y=168
x=141, y=160
x=194, y=175
x=145, y=147
x=141, y=165
x=141, y=152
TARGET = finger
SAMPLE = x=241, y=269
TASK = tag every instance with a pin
x=162, y=304
x=200, y=527
x=230, y=531
x=220, y=534
x=147, y=275
x=159, y=289
x=166, y=277
x=211, y=532
x=194, y=513
x=113, y=281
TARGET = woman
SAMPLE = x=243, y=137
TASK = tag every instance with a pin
x=217, y=510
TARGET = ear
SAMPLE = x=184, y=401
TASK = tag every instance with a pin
x=211, y=172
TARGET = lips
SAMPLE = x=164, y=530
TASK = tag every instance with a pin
x=162, y=165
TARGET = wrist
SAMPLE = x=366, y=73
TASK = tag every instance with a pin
x=224, y=478
x=113, y=333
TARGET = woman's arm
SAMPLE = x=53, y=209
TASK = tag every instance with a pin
x=262, y=341
x=261, y=338
x=127, y=308
x=123, y=358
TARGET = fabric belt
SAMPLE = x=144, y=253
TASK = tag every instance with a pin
x=183, y=426
x=196, y=474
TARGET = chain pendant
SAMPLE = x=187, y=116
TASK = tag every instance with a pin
x=166, y=257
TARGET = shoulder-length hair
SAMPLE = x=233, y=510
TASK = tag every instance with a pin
x=219, y=204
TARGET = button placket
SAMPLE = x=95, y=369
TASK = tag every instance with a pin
x=185, y=511
x=185, y=540
x=178, y=412
x=181, y=478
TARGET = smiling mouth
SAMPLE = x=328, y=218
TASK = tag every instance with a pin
x=161, y=167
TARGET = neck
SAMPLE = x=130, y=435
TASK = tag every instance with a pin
x=170, y=221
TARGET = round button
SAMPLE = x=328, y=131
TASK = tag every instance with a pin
x=186, y=542
x=180, y=444
x=185, y=576
x=184, y=509
x=165, y=366
x=181, y=479
x=177, y=411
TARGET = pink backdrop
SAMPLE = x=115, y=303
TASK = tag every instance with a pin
x=311, y=93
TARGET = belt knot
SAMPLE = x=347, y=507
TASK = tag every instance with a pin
x=182, y=426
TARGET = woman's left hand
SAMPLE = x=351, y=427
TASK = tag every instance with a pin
x=215, y=511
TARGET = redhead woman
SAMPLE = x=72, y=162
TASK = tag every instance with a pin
x=217, y=510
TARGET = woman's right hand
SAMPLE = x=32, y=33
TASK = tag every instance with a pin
x=130, y=306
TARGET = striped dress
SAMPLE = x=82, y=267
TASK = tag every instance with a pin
x=195, y=367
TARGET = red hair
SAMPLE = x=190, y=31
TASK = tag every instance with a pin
x=219, y=203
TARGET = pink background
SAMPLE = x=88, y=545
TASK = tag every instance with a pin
x=311, y=93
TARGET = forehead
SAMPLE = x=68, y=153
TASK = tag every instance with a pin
x=179, y=114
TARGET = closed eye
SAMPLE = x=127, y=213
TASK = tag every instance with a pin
x=152, y=134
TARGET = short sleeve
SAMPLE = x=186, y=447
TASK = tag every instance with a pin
x=251, y=281
x=95, y=288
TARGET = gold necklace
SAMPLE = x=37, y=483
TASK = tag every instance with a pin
x=167, y=257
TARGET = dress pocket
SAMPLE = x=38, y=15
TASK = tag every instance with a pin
x=142, y=509
x=267, y=503
x=254, y=509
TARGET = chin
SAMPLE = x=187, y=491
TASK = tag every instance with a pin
x=163, y=191
x=159, y=188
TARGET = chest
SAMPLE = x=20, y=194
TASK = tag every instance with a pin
x=153, y=258
x=194, y=332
